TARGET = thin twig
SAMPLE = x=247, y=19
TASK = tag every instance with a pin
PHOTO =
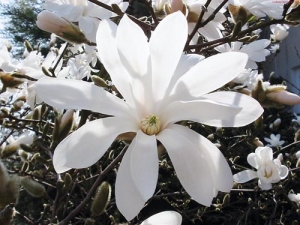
x=93, y=188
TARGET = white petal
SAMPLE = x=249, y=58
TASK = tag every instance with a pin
x=251, y=109
x=191, y=167
x=218, y=166
x=166, y=46
x=133, y=50
x=244, y=176
x=253, y=160
x=209, y=75
x=264, y=186
x=109, y=56
x=164, y=218
x=201, y=111
x=128, y=198
x=133, y=47
x=76, y=94
x=86, y=145
x=144, y=164
x=284, y=171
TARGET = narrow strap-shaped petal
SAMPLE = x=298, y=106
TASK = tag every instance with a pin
x=133, y=50
x=244, y=176
x=191, y=167
x=201, y=111
x=251, y=109
x=209, y=75
x=76, y=94
x=144, y=164
x=109, y=56
x=128, y=198
x=86, y=145
x=166, y=47
x=215, y=160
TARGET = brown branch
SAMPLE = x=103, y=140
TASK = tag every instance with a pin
x=93, y=188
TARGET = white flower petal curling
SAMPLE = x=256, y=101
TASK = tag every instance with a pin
x=251, y=109
x=86, y=146
x=191, y=167
x=199, y=111
x=220, y=69
x=76, y=94
x=218, y=166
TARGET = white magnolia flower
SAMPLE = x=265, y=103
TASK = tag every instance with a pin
x=164, y=218
x=269, y=170
x=274, y=140
x=261, y=8
x=248, y=78
x=294, y=197
x=86, y=13
x=210, y=31
x=255, y=50
x=279, y=32
x=160, y=87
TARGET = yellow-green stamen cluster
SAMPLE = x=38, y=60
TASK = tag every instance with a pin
x=151, y=125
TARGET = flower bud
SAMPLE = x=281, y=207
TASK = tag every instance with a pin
x=257, y=142
x=66, y=30
x=9, y=187
x=283, y=97
x=66, y=124
x=101, y=199
x=239, y=13
x=174, y=6
x=34, y=188
x=9, y=81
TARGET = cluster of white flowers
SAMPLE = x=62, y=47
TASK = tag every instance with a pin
x=155, y=84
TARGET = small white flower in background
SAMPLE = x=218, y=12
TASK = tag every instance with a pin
x=164, y=218
x=269, y=170
x=294, y=197
x=274, y=140
x=260, y=8
x=87, y=14
x=248, y=78
x=160, y=86
x=256, y=50
x=279, y=32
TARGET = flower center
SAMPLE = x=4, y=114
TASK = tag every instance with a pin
x=151, y=125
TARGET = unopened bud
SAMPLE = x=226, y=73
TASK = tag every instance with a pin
x=98, y=81
x=257, y=142
x=28, y=46
x=9, y=81
x=9, y=150
x=101, y=199
x=66, y=30
x=239, y=13
x=34, y=188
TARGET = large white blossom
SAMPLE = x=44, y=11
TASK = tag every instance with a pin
x=160, y=86
x=269, y=170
